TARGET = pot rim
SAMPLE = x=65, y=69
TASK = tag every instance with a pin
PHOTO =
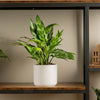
x=46, y=65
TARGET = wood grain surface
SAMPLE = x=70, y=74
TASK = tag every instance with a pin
x=30, y=86
x=94, y=66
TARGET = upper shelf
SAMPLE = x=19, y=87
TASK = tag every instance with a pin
x=48, y=4
x=30, y=88
x=51, y=1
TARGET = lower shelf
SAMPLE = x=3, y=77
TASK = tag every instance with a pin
x=29, y=88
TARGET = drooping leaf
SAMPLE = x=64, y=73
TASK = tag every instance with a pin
x=71, y=56
x=37, y=41
x=59, y=53
x=29, y=47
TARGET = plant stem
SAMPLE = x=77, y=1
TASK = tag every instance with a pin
x=47, y=57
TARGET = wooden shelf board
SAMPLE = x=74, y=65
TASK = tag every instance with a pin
x=30, y=86
x=93, y=67
x=51, y=1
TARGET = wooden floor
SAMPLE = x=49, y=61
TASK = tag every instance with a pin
x=30, y=86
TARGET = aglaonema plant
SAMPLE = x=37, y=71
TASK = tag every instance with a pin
x=45, y=48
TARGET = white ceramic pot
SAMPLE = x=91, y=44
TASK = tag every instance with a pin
x=45, y=75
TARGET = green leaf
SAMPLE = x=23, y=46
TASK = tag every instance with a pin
x=29, y=47
x=39, y=21
x=58, y=35
x=48, y=28
x=2, y=55
x=33, y=25
x=33, y=28
x=50, y=35
x=56, y=38
x=41, y=29
x=37, y=41
x=71, y=56
x=59, y=53
x=54, y=44
x=55, y=41
x=40, y=33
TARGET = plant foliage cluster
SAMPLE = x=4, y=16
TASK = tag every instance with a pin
x=46, y=44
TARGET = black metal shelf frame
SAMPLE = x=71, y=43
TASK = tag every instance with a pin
x=41, y=91
x=83, y=6
x=94, y=69
x=23, y=6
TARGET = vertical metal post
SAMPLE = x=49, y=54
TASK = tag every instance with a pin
x=86, y=51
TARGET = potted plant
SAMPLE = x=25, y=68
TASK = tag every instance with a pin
x=44, y=50
x=97, y=91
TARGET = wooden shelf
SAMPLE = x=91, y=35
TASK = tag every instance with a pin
x=93, y=67
x=51, y=1
x=30, y=88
